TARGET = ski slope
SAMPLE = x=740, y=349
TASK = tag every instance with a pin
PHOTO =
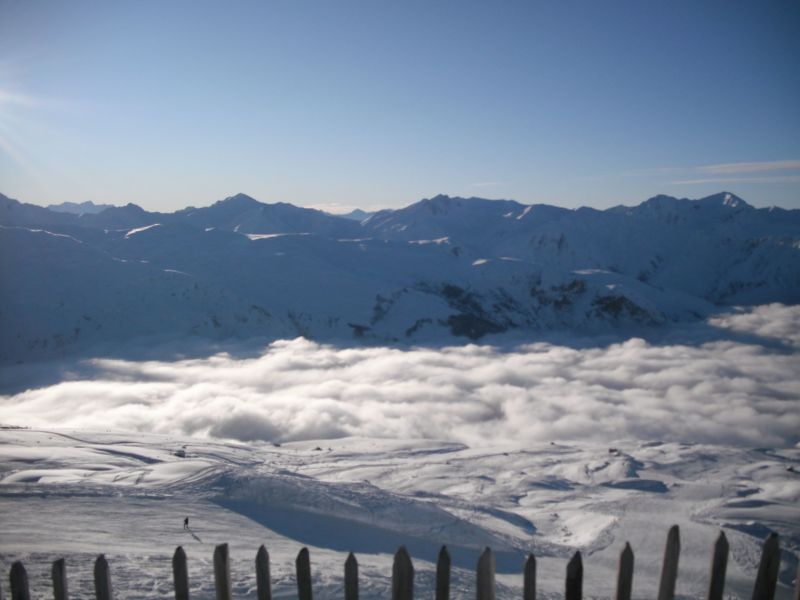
x=79, y=493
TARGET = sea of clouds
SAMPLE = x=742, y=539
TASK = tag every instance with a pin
x=741, y=387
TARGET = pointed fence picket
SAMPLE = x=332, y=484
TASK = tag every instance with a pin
x=767, y=577
x=529, y=579
x=102, y=579
x=263, y=581
x=351, y=578
x=59, y=575
x=719, y=564
x=180, y=574
x=485, y=579
x=19, y=582
x=303, y=569
x=222, y=573
x=669, y=570
x=443, y=575
x=573, y=588
x=403, y=574
x=625, y=573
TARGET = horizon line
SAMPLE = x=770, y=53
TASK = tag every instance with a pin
x=331, y=208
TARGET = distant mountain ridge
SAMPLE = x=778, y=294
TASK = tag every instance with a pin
x=441, y=268
x=78, y=208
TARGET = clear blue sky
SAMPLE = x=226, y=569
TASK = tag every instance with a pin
x=378, y=104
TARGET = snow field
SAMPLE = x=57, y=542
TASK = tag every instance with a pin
x=77, y=494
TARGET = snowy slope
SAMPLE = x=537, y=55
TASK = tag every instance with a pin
x=246, y=215
x=126, y=496
x=443, y=268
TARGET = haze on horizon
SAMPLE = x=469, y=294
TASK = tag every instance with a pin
x=371, y=105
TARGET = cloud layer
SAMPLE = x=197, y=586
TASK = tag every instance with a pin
x=723, y=391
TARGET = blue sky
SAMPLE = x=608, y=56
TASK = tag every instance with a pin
x=378, y=104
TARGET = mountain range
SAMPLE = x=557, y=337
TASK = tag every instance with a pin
x=442, y=269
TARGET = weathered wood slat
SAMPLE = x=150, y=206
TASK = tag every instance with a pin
x=263, y=578
x=443, y=575
x=767, y=577
x=402, y=576
x=719, y=564
x=351, y=578
x=180, y=574
x=59, y=576
x=485, y=573
x=303, y=569
x=669, y=570
x=574, y=583
x=102, y=579
x=222, y=572
x=529, y=579
x=765, y=586
x=625, y=573
x=19, y=582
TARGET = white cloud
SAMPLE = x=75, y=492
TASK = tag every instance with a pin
x=742, y=390
x=751, y=167
x=772, y=179
x=726, y=172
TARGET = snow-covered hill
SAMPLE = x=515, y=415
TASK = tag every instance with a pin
x=441, y=269
x=77, y=494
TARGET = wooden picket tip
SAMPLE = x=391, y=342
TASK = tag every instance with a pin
x=58, y=573
x=574, y=583
x=625, y=573
x=719, y=565
x=180, y=574
x=485, y=576
x=351, y=578
x=402, y=576
x=263, y=580
x=669, y=570
x=19, y=582
x=767, y=577
x=529, y=579
x=443, y=575
x=222, y=573
x=303, y=569
x=102, y=579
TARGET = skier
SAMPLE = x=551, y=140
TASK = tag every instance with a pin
x=186, y=523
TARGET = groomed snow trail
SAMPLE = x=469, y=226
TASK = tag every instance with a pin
x=77, y=494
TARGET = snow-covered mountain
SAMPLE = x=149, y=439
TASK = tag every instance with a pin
x=439, y=269
x=79, y=208
x=357, y=214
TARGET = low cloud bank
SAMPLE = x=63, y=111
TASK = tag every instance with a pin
x=724, y=391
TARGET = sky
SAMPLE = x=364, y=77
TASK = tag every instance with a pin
x=376, y=104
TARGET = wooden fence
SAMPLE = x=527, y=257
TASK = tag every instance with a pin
x=403, y=575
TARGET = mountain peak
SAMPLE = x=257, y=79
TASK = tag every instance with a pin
x=239, y=200
x=660, y=200
x=726, y=199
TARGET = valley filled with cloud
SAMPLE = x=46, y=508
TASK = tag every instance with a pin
x=737, y=387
